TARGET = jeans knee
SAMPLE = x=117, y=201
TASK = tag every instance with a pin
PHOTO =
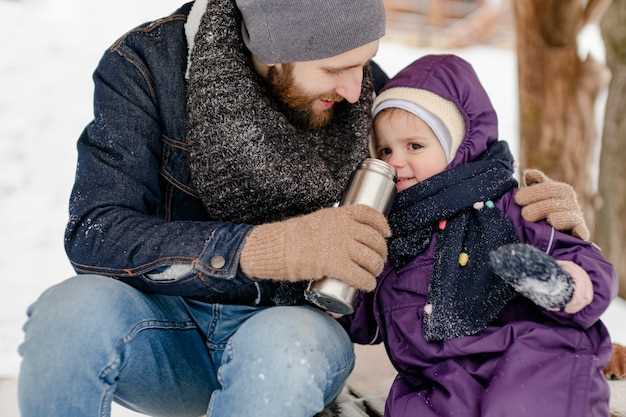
x=294, y=349
x=295, y=332
x=78, y=315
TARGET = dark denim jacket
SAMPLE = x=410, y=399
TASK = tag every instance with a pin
x=133, y=210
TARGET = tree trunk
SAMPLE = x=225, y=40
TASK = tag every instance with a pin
x=557, y=93
x=612, y=214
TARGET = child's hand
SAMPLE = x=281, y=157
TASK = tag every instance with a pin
x=533, y=274
x=583, y=288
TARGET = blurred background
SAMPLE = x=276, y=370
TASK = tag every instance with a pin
x=546, y=65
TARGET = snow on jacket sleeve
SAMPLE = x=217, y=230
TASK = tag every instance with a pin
x=565, y=247
x=114, y=227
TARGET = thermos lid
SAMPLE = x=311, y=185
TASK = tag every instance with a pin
x=379, y=166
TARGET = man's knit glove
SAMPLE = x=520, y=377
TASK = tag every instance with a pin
x=347, y=243
x=533, y=274
x=544, y=198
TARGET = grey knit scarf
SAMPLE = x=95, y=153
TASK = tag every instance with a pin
x=249, y=164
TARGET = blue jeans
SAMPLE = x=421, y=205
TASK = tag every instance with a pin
x=91, y=340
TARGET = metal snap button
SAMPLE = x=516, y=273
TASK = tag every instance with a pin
x=218, y=262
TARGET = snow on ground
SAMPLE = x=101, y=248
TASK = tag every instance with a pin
x=48, y=54
x=49, y=51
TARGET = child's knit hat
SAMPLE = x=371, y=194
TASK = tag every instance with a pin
x=444, y=90
x=441, y=115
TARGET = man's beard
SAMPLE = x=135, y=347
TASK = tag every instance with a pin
x=299, y=106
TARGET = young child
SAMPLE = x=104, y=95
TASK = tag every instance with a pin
x=468, y=342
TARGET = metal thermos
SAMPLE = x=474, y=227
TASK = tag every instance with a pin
x=373, y=184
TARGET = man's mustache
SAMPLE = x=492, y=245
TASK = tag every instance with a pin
x=332, y=97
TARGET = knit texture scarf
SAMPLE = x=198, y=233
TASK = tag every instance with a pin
x=465, y=299
x=249, y=163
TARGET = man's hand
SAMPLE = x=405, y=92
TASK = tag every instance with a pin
x=583, y=288
x=347, y=243
x=544, y=198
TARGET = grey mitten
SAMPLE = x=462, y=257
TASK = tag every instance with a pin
x=533, y=274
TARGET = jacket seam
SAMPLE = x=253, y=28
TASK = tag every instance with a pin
x=377, y=310
x=178, y=184
x=175, y=143
x=168, y=201
x=206, y=274
x=167, y=187
x=403, y=306
x=205, y=270
x=135, y=271
x=117, y=45
x=147, y=29
x=587, y=393
x=141, y=69
x=576, y=375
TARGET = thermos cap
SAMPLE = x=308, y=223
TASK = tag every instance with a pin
x=379, y=166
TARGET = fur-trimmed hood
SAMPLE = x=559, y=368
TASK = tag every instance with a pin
x=454, y=79
x=192, y=26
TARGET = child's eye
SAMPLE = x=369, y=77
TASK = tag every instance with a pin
x=384, y=152
x=415, y=146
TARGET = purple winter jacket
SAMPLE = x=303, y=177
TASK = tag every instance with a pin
x=530, y=362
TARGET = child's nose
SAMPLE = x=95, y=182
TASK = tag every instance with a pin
x=396, y=161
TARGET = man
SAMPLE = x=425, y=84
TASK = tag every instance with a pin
x=219, y=134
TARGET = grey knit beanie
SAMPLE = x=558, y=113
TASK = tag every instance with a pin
x=281, y=31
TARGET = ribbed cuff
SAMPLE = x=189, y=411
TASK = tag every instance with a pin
x=263, y=253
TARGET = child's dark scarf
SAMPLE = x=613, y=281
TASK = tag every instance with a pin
x=249, y=163
x=464, y=299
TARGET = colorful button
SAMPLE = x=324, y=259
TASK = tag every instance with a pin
x=442, y=224
x=479, y=205
x=463, y=259
x=428, y=309
x=490, y=204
